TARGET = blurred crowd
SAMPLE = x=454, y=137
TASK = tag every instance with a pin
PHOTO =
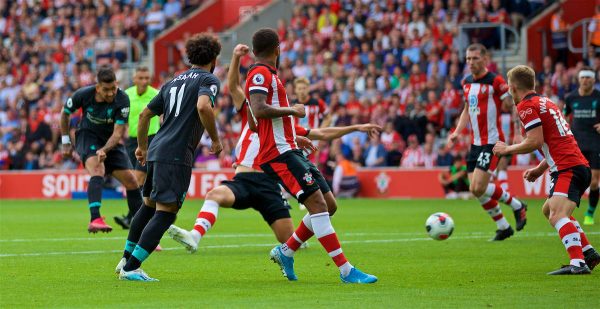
x=391, y=62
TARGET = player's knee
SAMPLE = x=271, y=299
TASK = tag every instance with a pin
x=217, y=194
x=130, y=183
x=477, y=189
x=594, y=184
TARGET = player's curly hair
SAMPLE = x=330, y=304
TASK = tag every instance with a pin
x=106, y=75
x=264, y=42
x=202, y=48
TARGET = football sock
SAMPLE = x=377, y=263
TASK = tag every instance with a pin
x=585, y=243
x=206, y=219
x=503, y=180
x=593, y=202
x=95, y=196
x=150, y=238
x=301, y=235
x=571, y=239
x=493, y=209
x=328, y=238
x=139, y=222
x=499, y=194
x=134, y=201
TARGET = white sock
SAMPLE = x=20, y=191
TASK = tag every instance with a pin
x=211, y=207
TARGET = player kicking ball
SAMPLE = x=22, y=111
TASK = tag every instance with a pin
x=186, y=106
x=547, y=129
x=251, y=187
x=105, y=109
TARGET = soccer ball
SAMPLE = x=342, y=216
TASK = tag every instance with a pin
x=439, y=226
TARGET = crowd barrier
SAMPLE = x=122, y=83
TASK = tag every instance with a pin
x=375, y=183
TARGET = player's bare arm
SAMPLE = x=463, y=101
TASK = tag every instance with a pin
x=112, y=142
x=534, y=139
x=233, y=76
x=258, y=103
x=534, y=173
x=462, y=123
x=207, y=117
x=331, y=133
x=67, y=147
x=142, y=135
x=305, y=143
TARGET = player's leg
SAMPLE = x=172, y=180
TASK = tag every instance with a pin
x=594, y=190
x=500, y=193
x=221, y=196
x=501, y=173
x=96, y=170
x=478, y=186
x=118, y=165
x=568, y=187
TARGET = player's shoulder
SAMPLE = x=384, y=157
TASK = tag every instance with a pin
x=85, y=92
x=259, y=73
x=122, y=97
x=468, y=79
x=572, y=95
x=596, y=93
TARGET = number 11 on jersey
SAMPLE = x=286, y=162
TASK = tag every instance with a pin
x=173, y=92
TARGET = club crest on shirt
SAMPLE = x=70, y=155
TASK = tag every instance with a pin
x=483, y=88
x=125, y=111
x=308, y=178
x=473, y=101
x=258, y=79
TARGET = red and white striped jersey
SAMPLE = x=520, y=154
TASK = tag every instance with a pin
x=560, y=148
x=248, y=145
x=277, y=135
x=506, y=125
x=315, y=110
x=484, y=98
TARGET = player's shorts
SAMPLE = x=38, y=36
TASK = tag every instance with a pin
x=593, y=158
x=87, y=144
x=131, y=146
x=481, y=157
x=571, y=183
x=167, y=183
x=297, y=175
x=259, y=191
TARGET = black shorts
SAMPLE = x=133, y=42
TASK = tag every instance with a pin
x=131, y=146
x=481, y=157
x=593, y=158
x=87, y=144
x=167, y=183
x=571, y=183
x=260, y=192
x=296, y=174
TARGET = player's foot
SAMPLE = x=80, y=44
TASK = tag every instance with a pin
x=135, y=275
x=183, y=237
x=158, y=248
x=503, y=234
x=304, y=245
x=301, y=206
x=98, y=225
x=582, y=269
x=357, y=276
x=588, y=220
x=123, y=221
x=286, y=264
x=592, y=258
x=521, y=216
x=120, y=266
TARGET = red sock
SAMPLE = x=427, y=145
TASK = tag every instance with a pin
x=585, y=243
x=301, y=235
x=334, y=249
x=571, y=239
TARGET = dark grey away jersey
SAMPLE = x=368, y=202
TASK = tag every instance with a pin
x=586, y=113
x=180, y=133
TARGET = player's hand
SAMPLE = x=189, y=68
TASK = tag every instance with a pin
x=67, y=150
x=306, y=144
x=299, y=111
x=240, y=50
x=500, y=149
x=371, y=129
x=141, y=155
x=452, y=138
x=532, y=174
x=101, y=155
x=216, y=148
x=597, y=127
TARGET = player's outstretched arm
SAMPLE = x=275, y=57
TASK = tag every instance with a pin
x=331, y=133
x=258, y=103
x=207, y=117
x=233, y=76
x=534, y=139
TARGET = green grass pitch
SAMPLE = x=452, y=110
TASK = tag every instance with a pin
x=47, y=259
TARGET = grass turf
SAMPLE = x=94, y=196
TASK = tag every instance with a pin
x=47, y=259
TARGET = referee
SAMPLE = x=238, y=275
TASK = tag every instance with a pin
x=584, y=104
x=140, y=94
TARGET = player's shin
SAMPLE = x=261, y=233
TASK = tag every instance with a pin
x=499, y=194
x=303, y=233
x=95, y=196
x=150, y=238
x=206, y=219
x=493, y=209
x=324, y=231
x=139, y=222
x=571, y=239
x=593, y=202
x=134, y=201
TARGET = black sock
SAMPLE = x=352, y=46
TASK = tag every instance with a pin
x=139, y=222
x=95, y=196
x=150, y=238
x=593, y=200
x=134, y=201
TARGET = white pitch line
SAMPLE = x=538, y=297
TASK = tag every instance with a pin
x=370, y=241
x=123, y=237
